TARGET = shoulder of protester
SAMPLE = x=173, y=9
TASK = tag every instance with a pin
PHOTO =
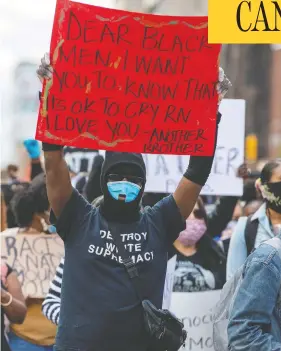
x=266, y=255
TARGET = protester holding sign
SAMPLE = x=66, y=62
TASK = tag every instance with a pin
x=106, y=87
x=108, y=291
x=201, y=263
x=31, y=208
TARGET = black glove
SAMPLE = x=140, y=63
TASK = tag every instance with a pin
x=51, y=147
x=200, y=167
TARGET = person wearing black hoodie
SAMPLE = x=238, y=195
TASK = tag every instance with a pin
x=100, y=309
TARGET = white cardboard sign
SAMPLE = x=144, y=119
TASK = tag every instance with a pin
x=34, y=258
x=169, y=282
x=195, y=309
x=165, y=171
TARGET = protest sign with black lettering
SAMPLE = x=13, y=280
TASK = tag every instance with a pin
x=34, y=258
x=165, y=171
x=195, y=309
x=127, y=81
x=79, y=159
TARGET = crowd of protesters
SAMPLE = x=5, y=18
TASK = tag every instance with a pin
x=91, y=299
x=204, y=256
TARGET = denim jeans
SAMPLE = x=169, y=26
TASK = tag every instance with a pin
x=18, y=344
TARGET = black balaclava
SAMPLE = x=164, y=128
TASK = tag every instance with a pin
x=123, y=163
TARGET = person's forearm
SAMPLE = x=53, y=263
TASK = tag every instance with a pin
x=194, y=179
x=200, y=167
x=16, y=311
x=221, y=215
x=186, y=196
x=59, y=187
x=36, y=168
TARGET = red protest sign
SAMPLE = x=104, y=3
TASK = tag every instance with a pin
x=130, y=82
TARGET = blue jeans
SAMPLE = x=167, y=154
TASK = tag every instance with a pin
x=18, y=344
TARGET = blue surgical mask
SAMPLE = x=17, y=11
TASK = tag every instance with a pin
x=52, y=229
x=48, y=228
x=130, y=190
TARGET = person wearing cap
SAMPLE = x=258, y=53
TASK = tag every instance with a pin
x=100, y=309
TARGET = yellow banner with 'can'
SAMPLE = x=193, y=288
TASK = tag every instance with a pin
x=244, y=22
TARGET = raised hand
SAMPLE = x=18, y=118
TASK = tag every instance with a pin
x=33, y=148
x=45, y=70
x=243, y=171
x=223, y=84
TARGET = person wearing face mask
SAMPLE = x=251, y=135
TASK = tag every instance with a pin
x=200, y=264
x=264, y=224
x=31, y=211
x=100, y=309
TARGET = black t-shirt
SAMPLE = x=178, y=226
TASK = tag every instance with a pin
x=193, y=275
x=99, y=308
x=4, y=343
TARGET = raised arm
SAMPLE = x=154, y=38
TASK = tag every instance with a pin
x=199, y=168
x=59, y=188
x=193, y=180
x=221, y=215
x=33, y=149
x=186, y=196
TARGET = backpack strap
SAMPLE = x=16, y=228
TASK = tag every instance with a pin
x=251, y=231
x=127, y=261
